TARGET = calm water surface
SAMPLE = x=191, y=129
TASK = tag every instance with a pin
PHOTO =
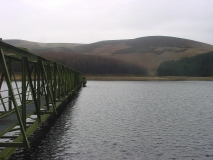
x=132, y=120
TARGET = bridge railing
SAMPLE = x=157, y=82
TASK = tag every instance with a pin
x=31, y=86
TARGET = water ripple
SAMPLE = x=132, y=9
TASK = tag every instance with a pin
x=133, y=120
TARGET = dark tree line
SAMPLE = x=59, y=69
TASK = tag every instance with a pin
x=95, y=64
x=200, y=66
x=89, y=64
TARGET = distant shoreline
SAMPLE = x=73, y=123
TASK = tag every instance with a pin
x=135, y=78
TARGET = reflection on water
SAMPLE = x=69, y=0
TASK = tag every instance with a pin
x=132, y=120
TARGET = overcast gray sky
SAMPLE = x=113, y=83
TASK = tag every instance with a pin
x=88, y=21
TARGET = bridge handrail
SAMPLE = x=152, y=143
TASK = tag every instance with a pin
x=46, y=86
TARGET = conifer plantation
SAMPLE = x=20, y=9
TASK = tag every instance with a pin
x=197, y=66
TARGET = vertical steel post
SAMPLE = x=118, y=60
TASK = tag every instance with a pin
x=1, y=81
x=55, y=82
x=38, y=70
x=34, y=76
x=10, y=88
x=12, y=72
x=46, y=70
x=63, y=72
x=33, y=90
x=24, y=92
x=9, y=64
x=48, y=87
x=59, y=82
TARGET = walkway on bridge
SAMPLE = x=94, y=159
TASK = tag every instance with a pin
x=32, y=89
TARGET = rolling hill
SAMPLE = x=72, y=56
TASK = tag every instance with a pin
x=37, y=45
x=146, y=52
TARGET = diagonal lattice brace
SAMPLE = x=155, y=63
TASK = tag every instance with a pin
x=8, y=81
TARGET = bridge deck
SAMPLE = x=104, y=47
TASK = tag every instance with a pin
x=10, y=119
x=40, y=79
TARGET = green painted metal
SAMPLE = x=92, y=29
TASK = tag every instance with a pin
x=12, y=96
x=2, y=102
x=35, y=89
x=24, y=91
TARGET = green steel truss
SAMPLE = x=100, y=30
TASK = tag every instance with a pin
x=32, y=88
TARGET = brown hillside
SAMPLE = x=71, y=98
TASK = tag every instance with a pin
x=93, y=64
x=147, y=51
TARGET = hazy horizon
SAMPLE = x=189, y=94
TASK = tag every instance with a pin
x=97, y=41
x=69, y=21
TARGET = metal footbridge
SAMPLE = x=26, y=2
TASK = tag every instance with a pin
x=32, y=89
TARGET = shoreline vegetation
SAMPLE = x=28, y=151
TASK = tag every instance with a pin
x=135, y=78
x=154, y=78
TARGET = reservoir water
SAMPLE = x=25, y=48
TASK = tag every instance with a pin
x=132, y=120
